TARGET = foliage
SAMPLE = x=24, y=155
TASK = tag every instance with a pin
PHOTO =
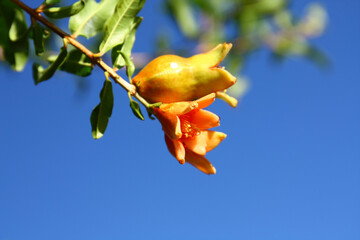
x=248, y=24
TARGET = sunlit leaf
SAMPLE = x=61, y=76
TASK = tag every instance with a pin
x=121, y=54
x=51, y=2
x=38, y=37
x=92, y=18
x=40, y=74
x=102, y=112
x=119, y=24
x=268, y=6
x=64, y=12
x=75, y=62
x=185, y=17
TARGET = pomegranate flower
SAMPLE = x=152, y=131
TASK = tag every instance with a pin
x=172, y=78
x=186, y=127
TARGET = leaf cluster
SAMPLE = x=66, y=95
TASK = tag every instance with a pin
x=249, y=25
x=115, y=20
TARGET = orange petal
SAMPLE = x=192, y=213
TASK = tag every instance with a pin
x=197, y=144
x=200, y=162
x=176, y=148
x=178, y=108
x=204, y=119
x=205, y=142
x=170, y=123
x=206, y=100
x=213, y=139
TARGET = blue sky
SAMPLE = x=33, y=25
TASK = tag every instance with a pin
x=289, y=169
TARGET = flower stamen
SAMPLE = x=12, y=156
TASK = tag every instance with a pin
x=188, y=129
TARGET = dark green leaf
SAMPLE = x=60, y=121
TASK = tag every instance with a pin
x=15, y=53
x=119, y=24
x=64, y=12
x=184, y=16
x=102, y=112
x=18, y=27
x=92, y=18
x=75, y=62
x=40, y=74
x=135, y=107
x=38, y=36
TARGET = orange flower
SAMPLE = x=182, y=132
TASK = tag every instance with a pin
x=185, y=125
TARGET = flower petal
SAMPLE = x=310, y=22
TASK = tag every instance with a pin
x=200, y=162
x=179, y=108
x=170, y=123
x=204, y=119
x=176, y=148
x=213, y=139
x=205, y=142
x=197, y=144
x=206, y=100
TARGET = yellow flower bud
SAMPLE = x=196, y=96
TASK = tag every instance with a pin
x=171, y=78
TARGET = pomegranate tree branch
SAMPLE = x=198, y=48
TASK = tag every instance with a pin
x=95, y=59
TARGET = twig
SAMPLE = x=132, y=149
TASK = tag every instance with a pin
x=96, y=60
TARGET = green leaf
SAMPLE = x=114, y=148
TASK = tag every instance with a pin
x=38, y=36
x=51, y=2
x=119, y=24
x=76, y=63
x=135, y=107
x=15, y=53
x=184, y=16
x=91, y=20
x=102, y=112
x=130, y=67
x=121, y=54
x=40, y=74
x=64, y=12
x=318, y=57
x=18, y=27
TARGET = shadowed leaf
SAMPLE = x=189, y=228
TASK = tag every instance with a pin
x=18, y=27
x=135, y=107
x=75, y=62
x=102, y=112
x=64, y=12
x=38, y=36
x=40, y=74
x=13, y=25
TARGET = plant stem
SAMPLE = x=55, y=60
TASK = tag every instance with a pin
x=96, y=60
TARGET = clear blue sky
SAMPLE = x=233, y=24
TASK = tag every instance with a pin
x=289, y=169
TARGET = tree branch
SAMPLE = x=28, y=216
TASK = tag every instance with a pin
x=96, y=60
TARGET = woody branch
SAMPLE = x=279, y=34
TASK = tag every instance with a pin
x=36, y=14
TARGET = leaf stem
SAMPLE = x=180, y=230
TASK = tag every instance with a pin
x=95, y=59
